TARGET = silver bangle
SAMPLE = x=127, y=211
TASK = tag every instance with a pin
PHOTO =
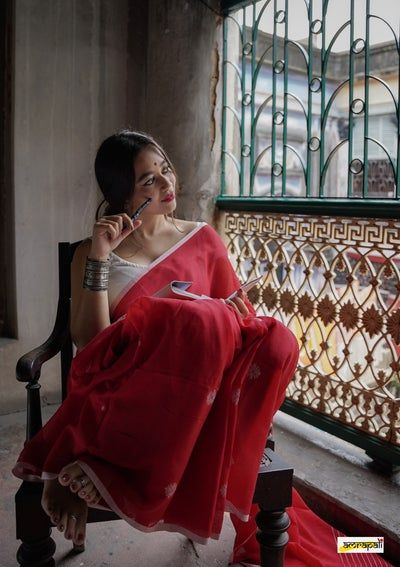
x=96, y=274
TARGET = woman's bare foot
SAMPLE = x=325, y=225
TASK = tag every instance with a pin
x=66, y=510
x=72, y=476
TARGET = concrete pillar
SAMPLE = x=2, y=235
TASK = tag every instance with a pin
x=183, y=102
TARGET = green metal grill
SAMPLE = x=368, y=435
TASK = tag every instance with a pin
x=310, y=126
x=276, y=84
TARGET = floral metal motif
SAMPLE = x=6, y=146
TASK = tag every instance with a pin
x=335, y=282
x=372, y=321
x=326, y=310
x=348, y=315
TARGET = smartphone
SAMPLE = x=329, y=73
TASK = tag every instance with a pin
x=247, y=286
x=140, y=209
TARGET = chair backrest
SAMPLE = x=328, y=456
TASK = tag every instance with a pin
x=66, y=252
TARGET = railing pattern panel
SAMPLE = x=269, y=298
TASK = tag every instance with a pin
x=335, y=282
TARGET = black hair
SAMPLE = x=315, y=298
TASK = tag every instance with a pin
x=114, y=167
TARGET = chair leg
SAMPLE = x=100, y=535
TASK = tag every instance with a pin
x=37, y=553
x=272, y=536
x=33, y=528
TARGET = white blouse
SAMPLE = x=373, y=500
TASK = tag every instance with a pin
x=122, y=275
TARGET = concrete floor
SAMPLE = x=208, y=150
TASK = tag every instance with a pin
x=337, y=468
x=109, y=544
x=341, y=471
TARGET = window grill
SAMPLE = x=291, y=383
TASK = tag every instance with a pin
x=311, y=105
x=310, y=147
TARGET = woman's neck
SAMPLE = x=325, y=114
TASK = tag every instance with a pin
x=152, y=225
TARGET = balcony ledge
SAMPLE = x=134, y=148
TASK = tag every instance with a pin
x=338, y=481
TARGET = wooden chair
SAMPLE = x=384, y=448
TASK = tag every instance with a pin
x=274, y=482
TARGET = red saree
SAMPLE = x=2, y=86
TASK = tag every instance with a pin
x=169, y=407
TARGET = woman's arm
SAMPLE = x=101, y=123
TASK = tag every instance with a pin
x=89, y=309
x=90, y=312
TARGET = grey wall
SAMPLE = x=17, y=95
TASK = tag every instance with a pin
x=77, y=79
x=83, y=69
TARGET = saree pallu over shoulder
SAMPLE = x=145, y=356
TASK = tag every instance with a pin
x=169, y=407
x=199, y=257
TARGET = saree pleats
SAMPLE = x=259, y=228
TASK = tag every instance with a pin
x=172, y=436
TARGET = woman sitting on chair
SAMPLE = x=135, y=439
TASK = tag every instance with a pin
x=169, y=400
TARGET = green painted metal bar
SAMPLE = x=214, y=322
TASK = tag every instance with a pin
x=273, y=125
x=323, y=97
x=285, y=97
x=253, y=98
x=310, y=98
x=370, y=208
x=224, y=104
x=351, y=94
x=380, y=448
x=330, y=102
x=366, y=99
x=243, y=115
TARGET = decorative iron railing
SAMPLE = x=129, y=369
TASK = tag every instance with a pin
x=335, y=282
x=309, y=108
x=311, y=126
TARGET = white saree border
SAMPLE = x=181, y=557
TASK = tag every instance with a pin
x=155, y=263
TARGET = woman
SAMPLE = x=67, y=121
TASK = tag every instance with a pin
x=170, y=400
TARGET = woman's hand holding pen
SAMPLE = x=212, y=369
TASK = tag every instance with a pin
x=108, y=233
x=237, y=303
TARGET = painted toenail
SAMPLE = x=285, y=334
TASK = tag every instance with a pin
x=83, y=492
x=65, y=477
x=61, y=528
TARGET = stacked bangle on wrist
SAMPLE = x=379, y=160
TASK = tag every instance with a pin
x=96, y=274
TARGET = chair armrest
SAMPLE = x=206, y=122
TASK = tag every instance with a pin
x=30, y=364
